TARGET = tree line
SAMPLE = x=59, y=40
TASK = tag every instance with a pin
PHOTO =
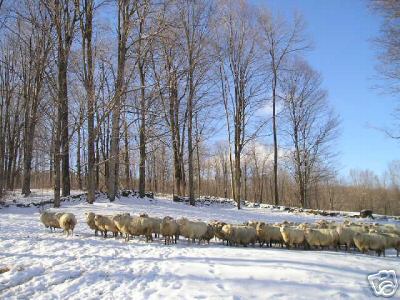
x=176, y=96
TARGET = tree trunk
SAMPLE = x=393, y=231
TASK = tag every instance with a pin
x=142, y=135
x=124, y=15
x=126, y=160
x=238, y=174
x=78, y=154
x=86, y=22
x=274, y=132
x=190, y=139
x=29, y=132
x=63, y=102
x=57, y=159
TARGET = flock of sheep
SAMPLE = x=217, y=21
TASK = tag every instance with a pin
x=322, y=234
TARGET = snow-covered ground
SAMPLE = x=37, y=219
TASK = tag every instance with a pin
x=45, y=265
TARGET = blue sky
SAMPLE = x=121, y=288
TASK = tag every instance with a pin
x=341, y=32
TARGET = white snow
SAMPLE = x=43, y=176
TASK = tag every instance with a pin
x=45, y=265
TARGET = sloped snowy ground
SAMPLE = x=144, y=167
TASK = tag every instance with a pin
x=45, y=265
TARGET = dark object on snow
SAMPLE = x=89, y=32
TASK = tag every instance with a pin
x=177, y=198
x=366, y=213
x=149, y=195
x=126, y=193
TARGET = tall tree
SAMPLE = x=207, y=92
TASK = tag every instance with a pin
x=388, y=45
x=279, y=41
x=35, y=46
x=168, y=80
x=64, y=15
x=311, y=127
x=86, y=25
x=8, y=86
x=126, y=10
x=194, y=19
x=236, y=49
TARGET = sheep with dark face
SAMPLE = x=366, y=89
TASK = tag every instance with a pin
x=217, y=226
x=209, y=234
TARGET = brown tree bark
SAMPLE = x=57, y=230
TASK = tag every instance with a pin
x=125, y=12
x=86, y=24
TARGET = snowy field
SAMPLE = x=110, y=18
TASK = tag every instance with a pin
x=45, y=265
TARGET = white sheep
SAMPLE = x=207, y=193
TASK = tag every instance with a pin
x=169, y=228
x=106, y=224
x=217, y=225
x=192, y=229
x=239, y=234
x=141, y=226
x=370, y=241
x=267, y=233
x=322, y=237
x=90, y=221
x=49, y=220
x=67, y=222
x=392, y=241
x=292, y=236
x=346, y=234
x=122, y=222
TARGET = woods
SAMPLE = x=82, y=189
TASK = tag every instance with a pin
x=189, y=98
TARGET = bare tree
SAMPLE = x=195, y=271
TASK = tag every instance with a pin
x=86, y=25
x=126, y=9
x=236, y=49
x=311, y=126
x=279, y=41
x=168, y=80
x=64, y=15
x=8, y=90
x=194, y=19
x=389, y=42
x=35, y=44
x=388, y=45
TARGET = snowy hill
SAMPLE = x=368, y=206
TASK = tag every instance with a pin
x=38, y=264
